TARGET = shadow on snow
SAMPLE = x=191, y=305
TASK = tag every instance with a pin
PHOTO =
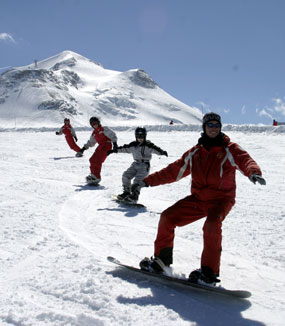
x=205, y=309
x=129, y=211
x=63, y=158
x=88, y=187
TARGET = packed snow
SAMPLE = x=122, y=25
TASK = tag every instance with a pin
x=57, y=232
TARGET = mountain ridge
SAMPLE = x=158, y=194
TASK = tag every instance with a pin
x=68, y=84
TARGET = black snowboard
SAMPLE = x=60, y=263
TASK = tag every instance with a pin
x=93, y=184
x=184, y=282
x=137, y=205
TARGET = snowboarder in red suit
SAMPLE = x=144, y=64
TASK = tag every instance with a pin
x=212, y=164
x=104, y=137
x=70, y=135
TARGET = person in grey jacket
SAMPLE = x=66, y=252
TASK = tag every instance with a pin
x=142, y=151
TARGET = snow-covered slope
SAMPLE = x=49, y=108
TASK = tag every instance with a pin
x=55, y=235
x=68, y=84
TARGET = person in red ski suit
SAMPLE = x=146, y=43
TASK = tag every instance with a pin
x=212, y=164
x=104, y=137
x=70, y=135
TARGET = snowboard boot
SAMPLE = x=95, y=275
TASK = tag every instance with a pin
x=92, y=179
x=134, y=196
x=153, y=265
x=204, y=275
x=126, y=192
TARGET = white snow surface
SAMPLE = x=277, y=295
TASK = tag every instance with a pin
x=56, y=234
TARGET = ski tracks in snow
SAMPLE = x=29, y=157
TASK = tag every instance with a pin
x=94, y=221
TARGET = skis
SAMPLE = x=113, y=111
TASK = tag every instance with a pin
x=136, y=205
x=242, y=294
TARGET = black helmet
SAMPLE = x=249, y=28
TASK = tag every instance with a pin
x=66, y=120
x=93, y=120
x=140, y=131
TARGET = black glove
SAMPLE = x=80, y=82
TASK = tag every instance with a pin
x=165, y=153
x=110, y=152
x=142, y=184
x=115, y=147
x=145, y=184
x=136, y=187
x=257, y=178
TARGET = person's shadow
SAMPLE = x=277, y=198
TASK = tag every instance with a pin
x=129, y=211
x=62, y=158
x=88, y=187
x=195, y=306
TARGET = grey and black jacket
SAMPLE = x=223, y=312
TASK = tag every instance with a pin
x=142, y=152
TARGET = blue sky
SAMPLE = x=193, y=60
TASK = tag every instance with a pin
x=226, y=56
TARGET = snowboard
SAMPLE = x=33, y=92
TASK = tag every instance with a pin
x=136, y=205
x=242, y=294
x=93, y=184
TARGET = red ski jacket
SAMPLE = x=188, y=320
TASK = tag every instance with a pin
x=213, y=171
x=101, y=135
x=67, y=130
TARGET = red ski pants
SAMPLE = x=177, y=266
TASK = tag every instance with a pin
x=98, y=158
x=189, y=210
x=72, y=144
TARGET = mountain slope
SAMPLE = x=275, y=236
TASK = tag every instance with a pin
x=68, y=84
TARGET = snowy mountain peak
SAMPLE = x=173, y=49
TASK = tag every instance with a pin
x=68, y=84
x=140, y=78
x=62, y=60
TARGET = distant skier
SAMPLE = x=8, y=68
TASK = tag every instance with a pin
x=212, y=164
x=70, y=135
x=142, y=151
x=104, y=137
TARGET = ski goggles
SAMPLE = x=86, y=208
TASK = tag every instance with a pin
x=213, y=125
